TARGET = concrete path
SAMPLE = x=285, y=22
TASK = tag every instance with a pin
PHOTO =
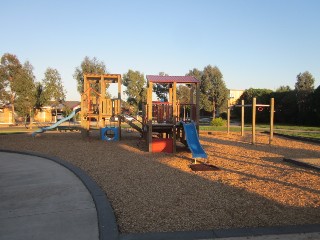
x=40, y=199
x=305, y=236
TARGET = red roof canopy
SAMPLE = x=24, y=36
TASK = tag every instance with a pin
x=172, y=79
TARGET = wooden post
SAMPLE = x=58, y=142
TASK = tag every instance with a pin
x=228, y=116
x=271, y=119
x=119, y=91
x=170, y=93
x=174, y=102
x=103, y=86
x=101, y=99
x=254, y=103
x=119, y=105
x=242, y=118
x=191, y=101
x=149, y=116
x=83, y=102
x=174, y=105
x=197, y=106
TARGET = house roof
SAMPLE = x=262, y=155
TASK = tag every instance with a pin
x=71, y=104
x=172, y=79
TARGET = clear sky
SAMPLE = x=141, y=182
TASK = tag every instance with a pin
x=255, y=43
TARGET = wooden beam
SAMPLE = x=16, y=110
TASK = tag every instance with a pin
x=228, y=116
x=191, y=101
x=254, y=103
x=271, y=119
x=197, y=105
x=100, y=102
x=174, y=101
x=119, y=97
x=242, y=118
x=149, y=116
x=170, y=93
x=174, y=105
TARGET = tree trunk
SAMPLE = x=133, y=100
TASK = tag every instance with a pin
x=31, y=120
x=214, y=110
x=12, y=109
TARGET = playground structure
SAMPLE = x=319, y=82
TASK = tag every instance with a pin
x=165, y=122
x=97, y=107
x=254, y=106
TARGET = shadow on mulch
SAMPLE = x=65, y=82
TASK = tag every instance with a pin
x=203, y=167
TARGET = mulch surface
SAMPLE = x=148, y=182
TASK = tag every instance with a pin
x=159, y=192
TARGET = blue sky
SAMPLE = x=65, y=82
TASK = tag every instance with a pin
x=255, y=43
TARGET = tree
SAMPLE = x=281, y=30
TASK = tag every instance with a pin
x=262, y=96
x=213, y=88
x=40, y=98
x=88, y=66
x=136, y=92
x=183, y=94
x=25, y=91
x=17, y=86
x=9, y=70
x=286, y=110
x=283, y=89
x=304, y=88
x=53, y=88
x=161, y=90
x=2, y=87
x=204, y=103
x=195, y=73
x=316, y=104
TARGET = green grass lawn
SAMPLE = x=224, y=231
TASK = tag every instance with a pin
x=15, y=130
x=311, y=135
x=290, y=130
x=290, y=127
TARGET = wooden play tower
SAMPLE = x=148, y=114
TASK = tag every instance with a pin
x=96, y=107
x=162, y=120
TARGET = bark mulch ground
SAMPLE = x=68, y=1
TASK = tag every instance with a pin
x=159, y=192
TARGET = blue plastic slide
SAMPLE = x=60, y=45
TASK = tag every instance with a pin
x=42, y=130
x=193, y=140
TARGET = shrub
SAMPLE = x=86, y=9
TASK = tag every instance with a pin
x=217, y=122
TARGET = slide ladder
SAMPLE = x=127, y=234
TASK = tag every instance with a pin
x=53, y=126
x=193, y=140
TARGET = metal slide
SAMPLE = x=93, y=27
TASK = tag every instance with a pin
x=42, y=130
x=131, y=123
x=193, y=140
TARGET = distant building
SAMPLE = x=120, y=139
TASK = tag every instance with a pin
x=43, y=114
x=234, y=95
x=48, y=113
x=6, y=116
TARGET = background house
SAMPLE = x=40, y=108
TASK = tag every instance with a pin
x=6, y=116
x=52, y=113
x=234, y=95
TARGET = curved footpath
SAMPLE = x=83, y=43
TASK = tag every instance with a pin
x=44, y=197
